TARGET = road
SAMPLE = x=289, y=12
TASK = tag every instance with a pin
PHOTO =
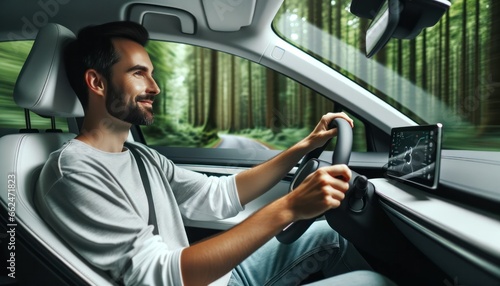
x=239, y=142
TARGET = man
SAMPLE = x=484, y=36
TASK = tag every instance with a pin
x=90, y=190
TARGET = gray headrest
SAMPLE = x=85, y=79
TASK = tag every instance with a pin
x=42, y=85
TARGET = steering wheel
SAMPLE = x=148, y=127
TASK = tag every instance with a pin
x=311, y=163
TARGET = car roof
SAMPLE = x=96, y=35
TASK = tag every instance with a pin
x=211, y=17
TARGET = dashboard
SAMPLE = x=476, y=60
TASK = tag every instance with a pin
x=446, y=231
x=429, y=213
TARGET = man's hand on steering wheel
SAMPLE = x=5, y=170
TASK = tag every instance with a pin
x=322, y=190
x=318, y=186
x=323, y=131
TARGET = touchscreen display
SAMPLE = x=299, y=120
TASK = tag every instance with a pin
x=415, y=154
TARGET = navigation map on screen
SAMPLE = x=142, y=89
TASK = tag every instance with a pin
x=415, y=154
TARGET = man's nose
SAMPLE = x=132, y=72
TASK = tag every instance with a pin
x=153, y=87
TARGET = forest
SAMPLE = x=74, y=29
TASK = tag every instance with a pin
x=450, y=73
x=248, y=100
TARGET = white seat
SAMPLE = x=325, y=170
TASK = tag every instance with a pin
x=43, y=88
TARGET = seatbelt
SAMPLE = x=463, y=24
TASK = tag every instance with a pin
x=147, y=186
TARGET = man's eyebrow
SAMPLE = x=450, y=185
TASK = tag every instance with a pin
x=139, y=67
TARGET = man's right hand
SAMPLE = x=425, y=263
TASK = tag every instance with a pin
x=210, y=259
x=320, y=191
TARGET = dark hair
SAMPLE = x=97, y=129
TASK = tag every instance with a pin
x=93, y=49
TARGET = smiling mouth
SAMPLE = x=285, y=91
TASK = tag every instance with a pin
x=146, y=102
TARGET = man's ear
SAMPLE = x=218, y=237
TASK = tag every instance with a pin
x=95, y=82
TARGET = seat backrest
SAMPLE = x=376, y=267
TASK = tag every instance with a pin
x=43, y=88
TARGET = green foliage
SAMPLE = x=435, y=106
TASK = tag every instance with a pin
x=279, y=141
x=243, y=96
x=12, y=57
x=164, y=133
x=209, y=138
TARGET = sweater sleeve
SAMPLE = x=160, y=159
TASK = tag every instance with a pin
x=99, y=222
x=202, y=197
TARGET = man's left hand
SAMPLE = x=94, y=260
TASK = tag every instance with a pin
x=321, y=133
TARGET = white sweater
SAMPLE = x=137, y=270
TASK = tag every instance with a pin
x=96, y=202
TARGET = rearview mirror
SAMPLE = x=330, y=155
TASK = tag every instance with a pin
x=382, y=27
x=401, y=19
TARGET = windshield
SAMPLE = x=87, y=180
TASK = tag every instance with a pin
x=449, y=73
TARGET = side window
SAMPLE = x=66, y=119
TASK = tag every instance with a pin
x=12, y=57
x=211, y=99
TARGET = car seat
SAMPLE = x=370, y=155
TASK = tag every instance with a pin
x=42, y=88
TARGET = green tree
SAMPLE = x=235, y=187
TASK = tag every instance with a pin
x=491, y=120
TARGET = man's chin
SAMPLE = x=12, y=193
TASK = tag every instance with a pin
x=138, y=120
x=145, y=121
x=136, y=116
x=149, y=118
x=148, y=122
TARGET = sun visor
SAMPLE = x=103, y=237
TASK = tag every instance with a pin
x=230, y=16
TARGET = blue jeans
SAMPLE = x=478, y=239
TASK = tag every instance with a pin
x=319, y=249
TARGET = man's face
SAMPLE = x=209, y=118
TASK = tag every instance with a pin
x=132, y=89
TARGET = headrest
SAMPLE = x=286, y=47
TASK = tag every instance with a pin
x=42, y=85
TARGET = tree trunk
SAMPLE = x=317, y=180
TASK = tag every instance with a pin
x=439, y=85
x=491, y=120
x=211, y=123
x=313, y=42
x=477, y=70
x=202, y=107
x=399, y=92
x=463, y=70
x=194, y=104
x=273, y=121
x=329, y=22
x=381, y=76
x=250, y=96
x=338, y=30
x=232, y=95
x=362, y=64
x=424, y=60
x=447, y=55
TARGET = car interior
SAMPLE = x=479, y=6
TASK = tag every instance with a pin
x=441, y=229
